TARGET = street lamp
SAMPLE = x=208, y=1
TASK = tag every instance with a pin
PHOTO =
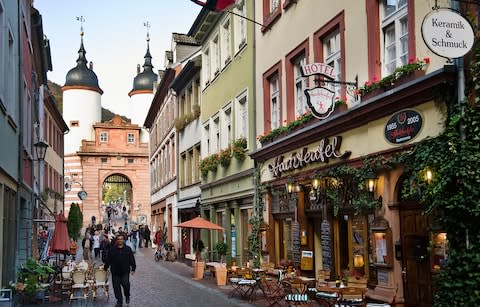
x=41, y=150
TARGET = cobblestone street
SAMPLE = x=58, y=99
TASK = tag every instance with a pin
x=166, y=284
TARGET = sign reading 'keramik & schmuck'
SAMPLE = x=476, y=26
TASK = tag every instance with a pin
x=447, y=33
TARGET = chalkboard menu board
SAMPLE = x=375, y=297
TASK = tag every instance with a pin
x=326, y=246
x=296, y=243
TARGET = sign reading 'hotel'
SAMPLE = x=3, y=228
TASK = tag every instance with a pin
x=323, y=153
x=447, y=33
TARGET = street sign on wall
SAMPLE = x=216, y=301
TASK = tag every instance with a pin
x=447, y=33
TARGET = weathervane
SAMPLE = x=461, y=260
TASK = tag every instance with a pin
x=82, y=20
x=146, y=24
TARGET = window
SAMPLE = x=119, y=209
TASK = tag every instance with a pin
x=190, y=170
x=273, y=5
x=272, y=98
x=332, y=55
x=241, y=113
x=2, y=59
x=215, y=56
x=130, y=161
x=225, y=32
x=240, y=28
x=104, y=160
x=226, y=125
x=271, y=12
x=104, y=137
x=394, y=25
x=183, y=169
x=300, y=85
x=10, y=76
x=329, y=48
x=196, y=163
x=206, y=145
x=216, y=134
x=131, y=138
x=274, y=102
x=206, y=66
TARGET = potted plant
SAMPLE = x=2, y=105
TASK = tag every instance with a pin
x=221, y=248
x=221, y=270
x=29, y=279
x=198, y=265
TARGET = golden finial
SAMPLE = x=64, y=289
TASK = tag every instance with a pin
x=82, y=20
x=146, y=24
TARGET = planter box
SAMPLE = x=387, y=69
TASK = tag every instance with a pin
x=198, y=268
x=221, y=275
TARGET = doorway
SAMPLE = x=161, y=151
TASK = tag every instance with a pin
x=417, y=281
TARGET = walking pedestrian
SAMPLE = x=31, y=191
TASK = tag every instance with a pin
x=96, y=244
x=134, y=238
x=121, y=260
x=147, y=236
x=141, y=236
x=87, y=244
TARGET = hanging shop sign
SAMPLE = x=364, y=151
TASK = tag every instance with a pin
x=403, y=126
x=325, y=151
x=447, y=33
x=320, y=99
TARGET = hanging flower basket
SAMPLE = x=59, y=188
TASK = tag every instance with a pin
x=225, y=156
x=239, y=148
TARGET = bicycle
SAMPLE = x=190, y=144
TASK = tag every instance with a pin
x=166, y=252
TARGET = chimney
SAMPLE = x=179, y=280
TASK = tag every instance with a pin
x=90, y=65
x=138, y=69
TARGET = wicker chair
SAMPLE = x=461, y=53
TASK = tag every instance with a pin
x=79, y=283
x=100, y=281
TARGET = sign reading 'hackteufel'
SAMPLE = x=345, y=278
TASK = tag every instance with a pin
x=323, y=153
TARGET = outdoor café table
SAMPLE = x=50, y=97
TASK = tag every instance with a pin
x=212, y=266
x=245, y=288
x=304, y=283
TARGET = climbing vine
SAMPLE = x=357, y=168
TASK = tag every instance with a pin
x=254, y=238
x=454, y=160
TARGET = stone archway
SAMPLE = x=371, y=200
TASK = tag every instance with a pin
x=117, y=196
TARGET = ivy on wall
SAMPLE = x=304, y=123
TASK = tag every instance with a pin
x=255, y=238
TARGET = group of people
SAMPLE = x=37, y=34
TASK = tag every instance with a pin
x=110, y=246
x=139, y=237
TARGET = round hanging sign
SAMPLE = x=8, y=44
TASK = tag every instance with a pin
x=403, y=126
x=447, y=33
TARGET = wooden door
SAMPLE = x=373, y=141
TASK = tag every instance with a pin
x=416, y=261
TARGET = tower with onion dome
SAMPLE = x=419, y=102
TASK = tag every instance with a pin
x=142, y=93
x=82, y=106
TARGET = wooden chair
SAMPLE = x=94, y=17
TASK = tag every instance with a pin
x=79, y=283
x=63, y=281
x=100, y=281
x=327, y=296
x=293, y=297
x=272, y=290
x=352, y=297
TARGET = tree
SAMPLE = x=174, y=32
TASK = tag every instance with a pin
x=75, y=221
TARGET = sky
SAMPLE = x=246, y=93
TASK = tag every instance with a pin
x=115, y=39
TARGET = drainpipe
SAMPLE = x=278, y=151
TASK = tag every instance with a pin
x=460, y=95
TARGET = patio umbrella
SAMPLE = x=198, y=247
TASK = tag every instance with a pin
x=60, y=241
x=199, y=223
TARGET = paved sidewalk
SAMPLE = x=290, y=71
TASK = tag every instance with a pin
x=186, y=272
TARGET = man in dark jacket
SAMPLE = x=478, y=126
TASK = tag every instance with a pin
x=122, y=263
